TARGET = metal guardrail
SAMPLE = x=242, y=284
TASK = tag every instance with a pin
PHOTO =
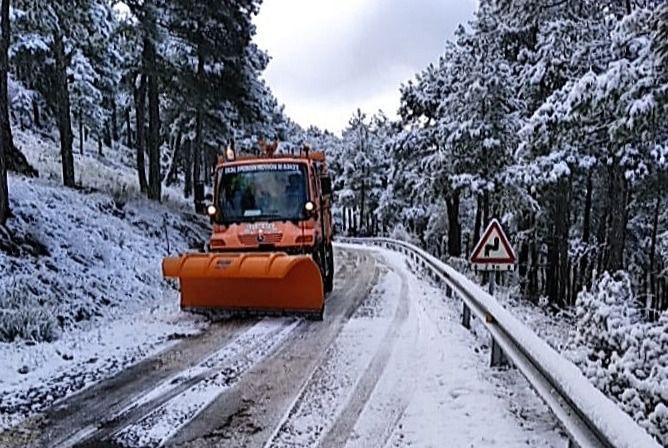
x=586, y=414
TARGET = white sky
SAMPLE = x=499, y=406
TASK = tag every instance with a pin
x=330, y=57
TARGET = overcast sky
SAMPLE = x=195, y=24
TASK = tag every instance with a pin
x=330, y=57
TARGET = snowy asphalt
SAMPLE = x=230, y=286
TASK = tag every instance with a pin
x=389, y=366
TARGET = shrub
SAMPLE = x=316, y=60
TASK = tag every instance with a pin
x=22, y=316
x=622, y=355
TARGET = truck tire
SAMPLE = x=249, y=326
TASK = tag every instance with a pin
x=317, y=316
x=329, y=268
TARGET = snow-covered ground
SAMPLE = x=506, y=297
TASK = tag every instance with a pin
x=390, y=366
x=82, y=298
x=552, y=328
x=112, y=173
x=403, y=372
x=81, y=291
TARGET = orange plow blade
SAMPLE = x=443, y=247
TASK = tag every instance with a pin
x=263, y=282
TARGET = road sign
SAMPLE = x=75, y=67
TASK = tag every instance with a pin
x=493, y=252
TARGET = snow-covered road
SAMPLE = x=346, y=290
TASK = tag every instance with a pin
x=390, y=366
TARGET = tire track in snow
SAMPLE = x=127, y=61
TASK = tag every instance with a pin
x=165, y=421
x=339, y=433
x=247, y=415
x=90, y=406
x=157, y=397
x=384, y=408
x=352, y=364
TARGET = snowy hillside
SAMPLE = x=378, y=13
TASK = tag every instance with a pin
x=79, y=267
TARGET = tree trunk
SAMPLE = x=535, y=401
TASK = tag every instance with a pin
x=586, y=223
x=140, y=106
x=173, y=168
x=362, y=201
x=563, y=231
x=128, y=128
x=652, y=277
x=81, y=133
x=616, y=232
x=523, y=261
x=106, y=132
x=114, y=121
x=197, y=148
x=188, y=160
x=5, y=126
x=150, y=70
x=557, y=274
x=454, y=226
x=551, y=289
x=533, y=265
x=154, y=178
x=584, y=278
x=603, y=222
x=477, y=229
x=63, y=109
x=99, y=145
x=37, y=122
x=199, y=122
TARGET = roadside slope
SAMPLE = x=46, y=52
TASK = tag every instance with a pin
x=81, y=291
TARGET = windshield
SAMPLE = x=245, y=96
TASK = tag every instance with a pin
x=263, y=192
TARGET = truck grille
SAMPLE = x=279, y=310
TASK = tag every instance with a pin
x=269, y=238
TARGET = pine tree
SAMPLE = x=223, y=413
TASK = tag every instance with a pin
x=147, y=93
x=217, y=72
x=49, y=37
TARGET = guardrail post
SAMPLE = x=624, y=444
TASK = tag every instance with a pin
x=498, y=358
x=448, y=291
x=466, y=316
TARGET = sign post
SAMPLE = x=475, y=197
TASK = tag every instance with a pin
x=492, y=254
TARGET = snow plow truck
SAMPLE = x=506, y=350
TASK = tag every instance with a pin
x=270, y=250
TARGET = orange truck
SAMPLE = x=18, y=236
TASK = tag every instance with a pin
x=270, y=250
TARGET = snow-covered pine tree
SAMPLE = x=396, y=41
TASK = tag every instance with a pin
x=218, y=72
x=362, y=167
x=482, y=118
x=148, y=15
x=86, y=97
x=419, y=149
x=48, y=36
x=103, y=49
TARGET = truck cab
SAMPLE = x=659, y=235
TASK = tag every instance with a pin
x=273, y=204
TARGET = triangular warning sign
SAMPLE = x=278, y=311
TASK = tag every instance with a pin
x=493, y=250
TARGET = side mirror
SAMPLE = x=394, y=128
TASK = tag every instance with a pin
x=326, y=185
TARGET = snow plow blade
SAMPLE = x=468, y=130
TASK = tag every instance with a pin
x=272, y=283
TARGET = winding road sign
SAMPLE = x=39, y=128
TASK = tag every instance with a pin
x=493, y=252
